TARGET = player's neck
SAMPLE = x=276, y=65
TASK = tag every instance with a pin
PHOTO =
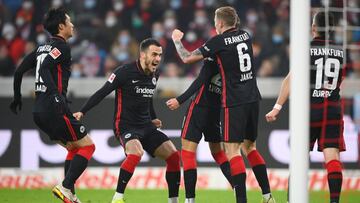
x=226, y=29
x=143, y=67
x=65, y=38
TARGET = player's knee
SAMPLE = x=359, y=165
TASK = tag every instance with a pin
x=247, y=148
x=173, y=162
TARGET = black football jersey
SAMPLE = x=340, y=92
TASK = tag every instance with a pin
x=51, y=62
x=326, y=72
x=133, y=96
x=207, y=86
x=234, y=55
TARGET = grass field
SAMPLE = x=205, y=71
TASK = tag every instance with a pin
x=159, y=196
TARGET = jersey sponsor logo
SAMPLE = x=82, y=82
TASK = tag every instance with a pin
x=82, y=129
x=146, y=92
x=135, y=81
x=111, y=78
x=154, y=81
x=127, y=136
x=55, y=53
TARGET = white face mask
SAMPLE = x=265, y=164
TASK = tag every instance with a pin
x=169, y=23
x=41, y=38
x=19, y=21
x=27, y=5
x=110, y=21
x=191, y=36
x=118, y=6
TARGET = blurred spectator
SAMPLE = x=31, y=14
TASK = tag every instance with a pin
x=14, y=43
x=171, y=70
x=90, y=61
x=7, y=67
x=125, y=48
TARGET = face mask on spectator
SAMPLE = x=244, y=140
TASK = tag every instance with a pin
x=338, y=38
x=118, y=6
x=19, y=21
x=175, y=4
x=27, y=5
x=110, y=21
x=277, y=39
x=122, y=56
x=252, y=18
x=157, y=34
x=169, y=23
x=57, y=3
x=191, y=36
x=41, y=38
x=89, y=4
x=124, y=39
x=201, y=20
x=8, y=31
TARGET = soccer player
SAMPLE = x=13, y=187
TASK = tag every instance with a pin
x=135, y=121
x=326, y=117
x=51, y=113
x=202, y=117
x=240, y=96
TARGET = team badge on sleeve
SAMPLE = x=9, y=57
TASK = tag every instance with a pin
x=55, y=53
x=111, y=78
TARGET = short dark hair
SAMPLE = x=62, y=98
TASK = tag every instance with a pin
x=146, y=43
x=53, y=18
x=320, y=22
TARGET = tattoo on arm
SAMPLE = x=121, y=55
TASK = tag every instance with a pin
x=183, y=53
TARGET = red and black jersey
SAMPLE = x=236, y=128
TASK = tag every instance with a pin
x=51, y=62
x=207, y=86
x=133, y=96
x=326, y=72
x=233, y=53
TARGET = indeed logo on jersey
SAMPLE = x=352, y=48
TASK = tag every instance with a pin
x=146, y=92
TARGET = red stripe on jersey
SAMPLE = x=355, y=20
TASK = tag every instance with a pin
x=71, y=129
x=223, y=94
x=200, y=94
x=226, y=124
x=118, y=112
x=187, y=121
x=59, y=77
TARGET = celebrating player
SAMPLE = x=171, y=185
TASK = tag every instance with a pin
x=135, y=122
x=240, y=96
x=326, y=118
x=51, y=113
x=202, y=117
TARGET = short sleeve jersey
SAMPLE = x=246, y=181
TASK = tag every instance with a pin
x=54, y=59
x=327, y=71
x=233, y=52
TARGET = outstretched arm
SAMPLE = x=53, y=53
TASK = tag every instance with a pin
x=186, y=56
x=282, y=98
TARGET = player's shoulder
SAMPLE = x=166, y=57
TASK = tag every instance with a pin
x=125, y=68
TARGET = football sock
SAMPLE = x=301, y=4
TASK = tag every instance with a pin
x=190, y=200
x=78, y=165
x=334, y=170
x=173, y=174
x=224, y=164
x=173, y=200
x=118, y=195
x=190, y=172
x=127, y=169
x=69, y=158
x=238, y=174
x=259, y=168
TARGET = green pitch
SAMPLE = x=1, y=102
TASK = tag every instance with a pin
x=156, y=196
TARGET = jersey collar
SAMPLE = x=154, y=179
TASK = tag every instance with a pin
x=138, y=66
x=58, y=37
x=321, y=39
x=230, y=30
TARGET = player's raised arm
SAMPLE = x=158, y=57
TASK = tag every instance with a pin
x=186, y=56
x=27, y=64
x=282, y=98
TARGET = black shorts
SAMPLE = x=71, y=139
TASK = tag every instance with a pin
x=240, y=122
x=150, y=137
x=64, y=128
x=327, y=127
x=201, y=120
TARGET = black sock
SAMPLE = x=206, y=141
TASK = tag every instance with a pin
x=240, y=187
x=76, y=168
x=124, y=177
x=262, y=178
x=335, y=182
x=190, y=177
x=66, y=169
x=225, y=169
x=173, y=181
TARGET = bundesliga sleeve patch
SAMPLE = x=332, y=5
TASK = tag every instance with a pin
x=55, y=53
x=111, y=78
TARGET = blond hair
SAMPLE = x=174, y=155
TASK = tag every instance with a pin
x=228, y=15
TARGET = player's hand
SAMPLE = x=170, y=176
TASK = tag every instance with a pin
x=173, y=104
x=271, y=116
x=177, y=35
x=15, y=104
x=78, y=115
x=157, y=123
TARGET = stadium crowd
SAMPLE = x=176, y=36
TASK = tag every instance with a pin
x=108, y=32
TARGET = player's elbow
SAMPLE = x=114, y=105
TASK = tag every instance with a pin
x=187, y=60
